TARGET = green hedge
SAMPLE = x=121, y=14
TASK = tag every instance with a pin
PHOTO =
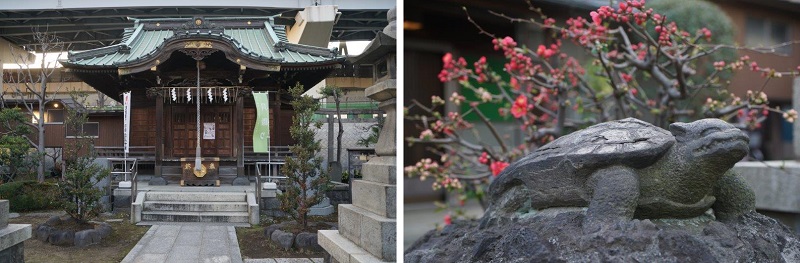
x=26, y=196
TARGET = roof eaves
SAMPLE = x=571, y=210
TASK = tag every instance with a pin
x=381, y=45
x=306, y=49
x=72, y=104
x=314, y=65
x=74, y=57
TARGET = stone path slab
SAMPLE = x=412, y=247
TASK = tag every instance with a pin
x=187, y=243
x=284, y=260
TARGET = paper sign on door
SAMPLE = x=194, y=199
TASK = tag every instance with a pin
x=209, y=131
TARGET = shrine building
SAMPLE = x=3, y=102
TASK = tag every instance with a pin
x=173, y=67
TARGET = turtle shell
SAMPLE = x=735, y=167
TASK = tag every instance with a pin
x=629, y=142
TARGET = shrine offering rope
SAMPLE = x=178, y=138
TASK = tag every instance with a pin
x=197, y=165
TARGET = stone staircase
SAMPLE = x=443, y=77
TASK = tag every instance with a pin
x=194, y=206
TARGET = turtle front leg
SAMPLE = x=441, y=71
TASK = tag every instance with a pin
x=734, y=197
x=615, y=192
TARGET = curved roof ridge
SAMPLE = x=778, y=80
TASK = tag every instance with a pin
x=260, y=41
x=135, y=34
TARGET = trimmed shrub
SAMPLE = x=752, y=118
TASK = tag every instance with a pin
x=26, y=196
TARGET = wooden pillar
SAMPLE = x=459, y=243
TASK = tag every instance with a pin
x=157, y=178
x=159, y=134
x=277, y=116
x=241, y=179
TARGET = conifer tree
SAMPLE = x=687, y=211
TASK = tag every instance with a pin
x=307, y=182
x=80, y=195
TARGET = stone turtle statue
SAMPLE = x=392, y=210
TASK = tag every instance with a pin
x=627, y=169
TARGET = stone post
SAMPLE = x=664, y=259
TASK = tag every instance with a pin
x=368, y=227
x=11, y=237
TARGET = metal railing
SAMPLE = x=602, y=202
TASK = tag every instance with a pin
x=278, y=152
x=268, y=178
x=149, y=151
x=118, y=151
x=133, y=171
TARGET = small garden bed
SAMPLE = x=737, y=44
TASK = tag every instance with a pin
x=70, y=232
x=257, y=242
x=112, y=248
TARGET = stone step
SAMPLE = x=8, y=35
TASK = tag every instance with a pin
x=196, y=196
x=225, y=170
x=344, y=250
x=195, y=206
x=374, y=233
x=172, y=216
x=161, y=223
x=381, y=199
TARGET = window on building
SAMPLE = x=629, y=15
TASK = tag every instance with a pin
x=55, y=116
x=89, y=129
x=763, y=32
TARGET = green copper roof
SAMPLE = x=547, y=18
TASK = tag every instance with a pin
x=256, y=38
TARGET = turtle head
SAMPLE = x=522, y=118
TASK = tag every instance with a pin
x=711, y=141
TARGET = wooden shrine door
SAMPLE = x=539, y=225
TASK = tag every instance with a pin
x=216, y=131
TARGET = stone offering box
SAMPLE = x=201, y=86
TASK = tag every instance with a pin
x=208, y=175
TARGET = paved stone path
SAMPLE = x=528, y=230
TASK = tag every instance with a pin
x=186, y=243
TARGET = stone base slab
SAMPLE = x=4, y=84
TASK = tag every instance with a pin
x=383, y=90
x=381, y=169
x=14, y=254
x=375, y=234
x=382, y=197
x=4, y=208
x=343, y=250
x=122, y=198
x=14, y=234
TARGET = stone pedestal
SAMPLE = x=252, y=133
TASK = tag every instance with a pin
x=368, y=227
x=122, y=198
x=11, y=237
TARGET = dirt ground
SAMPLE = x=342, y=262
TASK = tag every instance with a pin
x=112, y=249
x=253, y=243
